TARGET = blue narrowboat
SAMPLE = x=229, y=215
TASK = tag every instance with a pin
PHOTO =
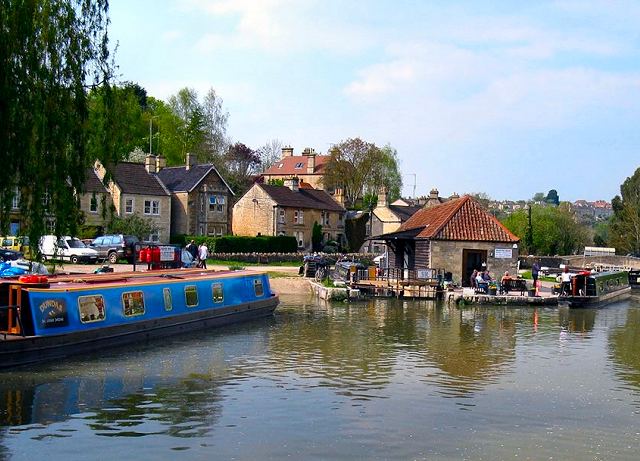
x=48, y=318
x=597, y=289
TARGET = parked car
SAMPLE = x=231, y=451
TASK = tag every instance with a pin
x=16, y=243
x=66, y=248
x=10, y=255
x=115, y=246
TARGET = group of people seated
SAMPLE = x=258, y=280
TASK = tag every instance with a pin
x=480, y=281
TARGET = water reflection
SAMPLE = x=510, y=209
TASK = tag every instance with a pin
x=624, y=346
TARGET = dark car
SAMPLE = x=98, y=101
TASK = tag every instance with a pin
x=10, y=255
x=115, y=246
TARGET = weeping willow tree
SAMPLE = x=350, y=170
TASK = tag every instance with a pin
x=52, y=52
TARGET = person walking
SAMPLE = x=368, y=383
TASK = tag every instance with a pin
x=203, y=254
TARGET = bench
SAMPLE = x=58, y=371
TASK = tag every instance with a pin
x=514, y=285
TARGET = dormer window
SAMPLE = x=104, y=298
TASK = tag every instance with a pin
x=280, y=165
x=298, y=165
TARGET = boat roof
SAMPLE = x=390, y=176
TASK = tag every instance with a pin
x=73, y=282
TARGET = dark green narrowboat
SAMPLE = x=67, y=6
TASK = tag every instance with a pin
x=597, y=289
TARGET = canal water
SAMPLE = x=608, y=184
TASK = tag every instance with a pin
x=383, y=379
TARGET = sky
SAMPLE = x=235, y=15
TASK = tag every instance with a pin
x=501, y=97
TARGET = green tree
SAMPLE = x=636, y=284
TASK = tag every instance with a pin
x=552, y=198
x=215, y=126
x=116, y=123
x=191, y=130
x=624, y=232
x=538, y=197
x=316, y=237
x=50, y=53
x=132, y=225
x=554, y=231
x=358, y=167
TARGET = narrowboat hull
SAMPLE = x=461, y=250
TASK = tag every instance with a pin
x=71, y=316
x=596, y=301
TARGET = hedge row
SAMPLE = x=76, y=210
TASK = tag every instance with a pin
x=238, y=244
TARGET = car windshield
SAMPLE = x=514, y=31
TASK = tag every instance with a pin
x=75, y=243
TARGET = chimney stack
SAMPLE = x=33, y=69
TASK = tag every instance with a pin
x=311, y=163
x=382, y=197
x=161, y=162
x=287, y=151
x=150, y=163
x=191, y=160
x=292, y=183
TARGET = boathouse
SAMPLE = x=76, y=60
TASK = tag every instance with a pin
x=457, y=236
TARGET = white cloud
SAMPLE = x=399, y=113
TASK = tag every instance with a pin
x=172, y=35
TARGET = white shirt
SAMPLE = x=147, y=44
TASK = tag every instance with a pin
x=566, y=277
x=203, y=252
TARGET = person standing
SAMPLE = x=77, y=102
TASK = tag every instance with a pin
x=565, y=287
x=192, y=249
x=535, y=270
x=203, y=254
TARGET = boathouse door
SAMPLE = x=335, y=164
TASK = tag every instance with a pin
x=471, y=259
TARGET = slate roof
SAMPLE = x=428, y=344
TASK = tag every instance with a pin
x=304, y=198
x=179, y=179
x=460, y=219
x=133, y=178
x=404, y=212
x=287, y=165
x=92, y=183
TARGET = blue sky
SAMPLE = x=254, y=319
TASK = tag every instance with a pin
x=502, y=97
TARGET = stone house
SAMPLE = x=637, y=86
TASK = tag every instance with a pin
x=288, y=210
x=308, y=167
x=200, y=199
x=136, y=189
x=95, y=201
x=386, y=218
x=457, y=236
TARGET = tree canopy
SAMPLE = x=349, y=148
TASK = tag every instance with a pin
x=553, y=230
x=359, y=167
x=50, y=52
x=624, y=231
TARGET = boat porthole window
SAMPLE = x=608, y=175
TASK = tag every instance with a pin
x=168, y=302
x=258, y=288
x=218, y=295
x=91, y=308
x=191, y=295
x=133, y=303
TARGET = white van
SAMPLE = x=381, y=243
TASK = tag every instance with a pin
x=66, y=249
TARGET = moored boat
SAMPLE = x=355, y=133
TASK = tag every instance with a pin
x=49, y=318
x=597, y=289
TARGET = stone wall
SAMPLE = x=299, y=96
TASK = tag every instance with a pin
x=253, y=214
x=447, y=255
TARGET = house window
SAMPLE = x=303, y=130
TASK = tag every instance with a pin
x=299, y=238
x=93, y=206
x=154, y=236
x=133, y=303
x=298, y=217
x=128, y=205
x=325, y=218
x=219, y=231
x=15, y=201
x=91, y=308
x=220, y=206
x=298, y=165
x=281, y=219
x=152, y=207
x=212, y=202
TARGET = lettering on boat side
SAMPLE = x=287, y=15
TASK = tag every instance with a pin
x=53, y=313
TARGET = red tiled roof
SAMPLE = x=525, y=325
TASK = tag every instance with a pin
x=287, y=166
x=461, y=219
